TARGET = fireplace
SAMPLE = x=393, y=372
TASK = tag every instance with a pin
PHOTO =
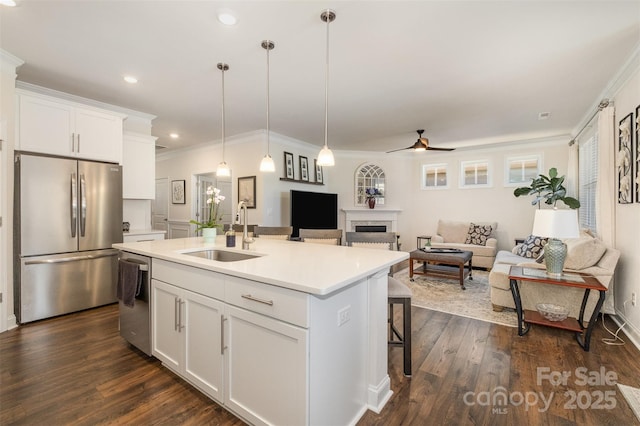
x=357, y=218
x=371, y=228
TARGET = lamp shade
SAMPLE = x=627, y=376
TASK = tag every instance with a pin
x=555, y=223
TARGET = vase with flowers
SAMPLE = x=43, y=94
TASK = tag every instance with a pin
x=372, y=194
x=210, y=225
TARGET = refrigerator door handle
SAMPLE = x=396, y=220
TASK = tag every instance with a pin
x=83, y=205
x=74, y=205
x=71, y=258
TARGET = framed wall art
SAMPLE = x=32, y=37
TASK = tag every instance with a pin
x=304, y=168
x=288, y=165
x=637, y=154
x=177, y=192
x=319, y=177
x=247, y=190
x=625, y=160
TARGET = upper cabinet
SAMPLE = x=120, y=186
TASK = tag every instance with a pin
x=139, y=166
x=59, y=127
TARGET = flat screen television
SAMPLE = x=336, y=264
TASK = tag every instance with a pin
x=313, y=210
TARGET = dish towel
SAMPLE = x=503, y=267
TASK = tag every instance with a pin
x=129, y=282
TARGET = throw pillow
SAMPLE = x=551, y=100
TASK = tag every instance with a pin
x=583, y=252
x=478, y=234
x=531, y=247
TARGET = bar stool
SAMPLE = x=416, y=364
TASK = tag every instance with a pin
x=398, y=293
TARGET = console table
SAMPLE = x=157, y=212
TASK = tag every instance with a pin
x=574, y=279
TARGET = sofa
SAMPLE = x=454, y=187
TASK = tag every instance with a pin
x=476, y=237
x=585, y=254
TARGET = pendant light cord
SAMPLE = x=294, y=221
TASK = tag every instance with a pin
x=326, y=92
x=268, y=142
x=223, y=114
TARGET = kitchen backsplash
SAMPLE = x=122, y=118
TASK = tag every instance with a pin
x=137, y=213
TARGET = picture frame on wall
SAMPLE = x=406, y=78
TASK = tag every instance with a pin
x=304, y=168
x=625, y=160
x=288, y=165
x=247, y=191
x=319, y=177
x=637, y=154
x=177, y=192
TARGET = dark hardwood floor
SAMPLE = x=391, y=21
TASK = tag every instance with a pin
x=76, y=370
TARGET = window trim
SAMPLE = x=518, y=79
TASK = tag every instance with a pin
x=464, y=165
x=437, y=166
x=521, y=159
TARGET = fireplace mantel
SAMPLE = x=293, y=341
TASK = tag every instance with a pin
x=366, y=216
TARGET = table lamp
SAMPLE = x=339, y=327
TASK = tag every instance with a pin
x=555, y=224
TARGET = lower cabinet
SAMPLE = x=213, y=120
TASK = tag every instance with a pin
x=266, y=366
x=187, y=335
x=255, y=365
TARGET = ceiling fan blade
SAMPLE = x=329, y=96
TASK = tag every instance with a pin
x=401, y=149
x=440, y=149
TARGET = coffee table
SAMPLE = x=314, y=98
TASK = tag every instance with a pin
x=442, y=263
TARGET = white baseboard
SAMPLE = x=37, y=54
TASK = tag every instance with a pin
x=629, y=329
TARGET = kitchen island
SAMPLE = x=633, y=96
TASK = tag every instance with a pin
x=295, y=334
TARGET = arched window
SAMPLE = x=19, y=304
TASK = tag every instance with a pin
x=369, y=177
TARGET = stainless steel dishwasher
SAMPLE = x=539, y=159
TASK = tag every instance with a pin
x=135, y=322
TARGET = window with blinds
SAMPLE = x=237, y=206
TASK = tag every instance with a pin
x=588, y=177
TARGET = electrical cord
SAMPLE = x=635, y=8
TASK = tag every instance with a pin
x=616, y=340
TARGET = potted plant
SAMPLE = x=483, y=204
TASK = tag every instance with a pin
x=548, y=189
x=210, y=226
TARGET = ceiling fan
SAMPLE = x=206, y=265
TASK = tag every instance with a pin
x=422, y=144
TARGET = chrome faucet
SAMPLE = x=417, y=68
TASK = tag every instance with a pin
x=246, y=239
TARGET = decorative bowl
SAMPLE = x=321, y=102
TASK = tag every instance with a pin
x=552, y=312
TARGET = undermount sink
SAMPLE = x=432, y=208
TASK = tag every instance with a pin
x=222, y=255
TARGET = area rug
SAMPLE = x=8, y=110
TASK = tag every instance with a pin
x=632, y=395
x=445, y=295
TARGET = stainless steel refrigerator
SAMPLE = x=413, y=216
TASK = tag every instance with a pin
x=67, y=215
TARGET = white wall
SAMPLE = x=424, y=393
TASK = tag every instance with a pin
x=421, y=209
x=243, y=154
x=627, y=225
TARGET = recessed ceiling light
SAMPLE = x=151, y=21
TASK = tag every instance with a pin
x=227, y=18
x=543, y=115
x=174, y=135
x=9, y=3
x=130, y=79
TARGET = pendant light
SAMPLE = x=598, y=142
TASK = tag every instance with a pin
x=267, y=164
x=325, y=157
x=223, y=169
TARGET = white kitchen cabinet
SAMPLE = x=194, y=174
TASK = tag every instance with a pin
x=261, y=360
x=54, y=126
x=187, y=336
x=138, y=166
x=148, y=235
x=269, y=352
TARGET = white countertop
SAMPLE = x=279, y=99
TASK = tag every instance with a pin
x=311, y=268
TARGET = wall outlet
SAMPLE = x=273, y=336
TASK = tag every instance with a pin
x=633, y=299
x=344, y=315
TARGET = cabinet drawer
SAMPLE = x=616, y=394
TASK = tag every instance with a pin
x=287, y=305
x=200, y=281
x=127, y=238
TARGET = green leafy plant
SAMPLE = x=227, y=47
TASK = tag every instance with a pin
x=548, y=189
x=213, y=201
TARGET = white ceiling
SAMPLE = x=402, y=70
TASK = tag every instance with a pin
x=467, y=72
